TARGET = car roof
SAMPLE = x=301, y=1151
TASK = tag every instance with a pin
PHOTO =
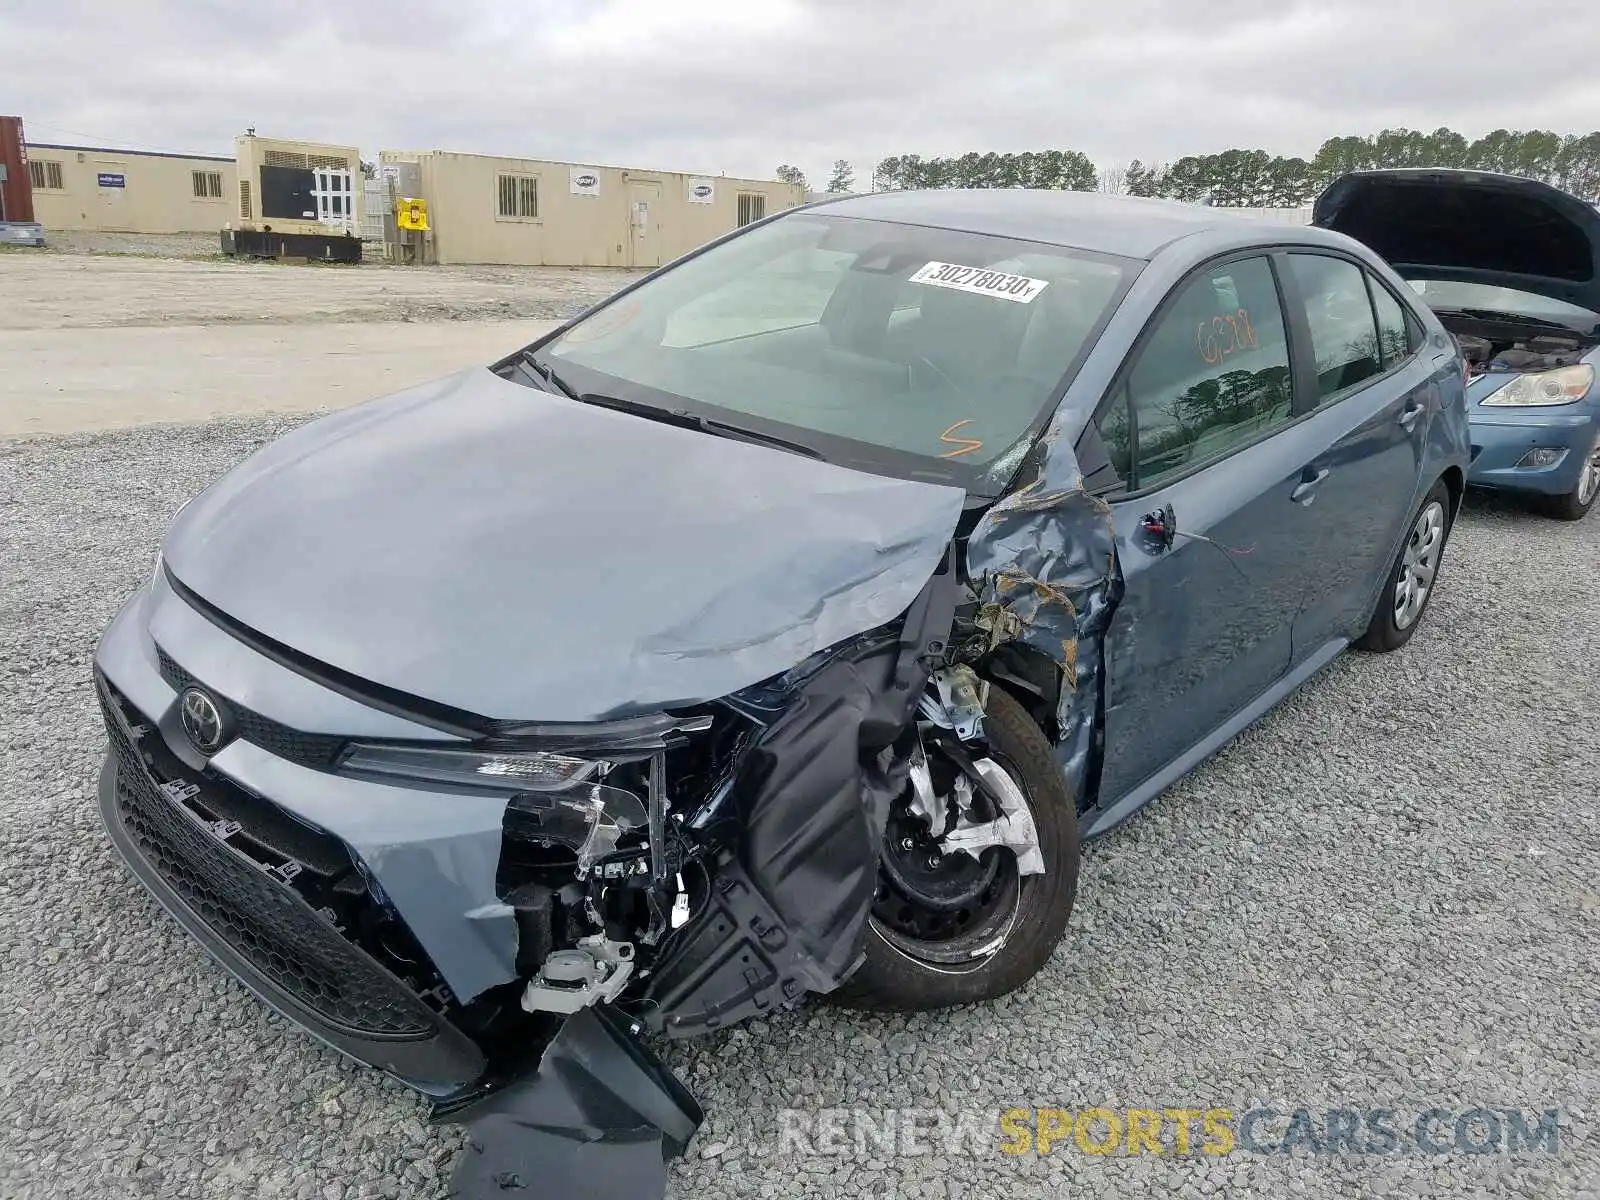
x=1128, y=226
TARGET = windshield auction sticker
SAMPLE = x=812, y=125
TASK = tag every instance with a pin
x=981, y=282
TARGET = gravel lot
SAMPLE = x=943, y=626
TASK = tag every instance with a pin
x=1386, y=894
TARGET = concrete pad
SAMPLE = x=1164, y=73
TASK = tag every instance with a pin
x=55, y=381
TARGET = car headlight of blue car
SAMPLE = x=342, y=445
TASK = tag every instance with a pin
x=1544, y=389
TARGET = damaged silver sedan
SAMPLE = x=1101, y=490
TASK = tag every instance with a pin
x=776, y=628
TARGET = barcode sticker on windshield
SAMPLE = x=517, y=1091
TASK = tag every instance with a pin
x=982, y=282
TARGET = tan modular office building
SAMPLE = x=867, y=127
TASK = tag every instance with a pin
x=130, y=191
x=531, y=212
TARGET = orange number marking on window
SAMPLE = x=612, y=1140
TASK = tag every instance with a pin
x=1217, y=337
x=966, y=445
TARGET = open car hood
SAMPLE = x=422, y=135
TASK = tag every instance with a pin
x=520, y=556
x=1474, y=226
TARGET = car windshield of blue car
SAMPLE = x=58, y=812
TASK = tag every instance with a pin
x=1461, y=296
x=931, y=352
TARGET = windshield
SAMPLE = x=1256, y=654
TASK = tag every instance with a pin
x=1458, y=294
x=916, y=350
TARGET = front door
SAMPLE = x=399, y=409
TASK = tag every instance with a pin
x=1202, y=430
x=111, y=194
x=1377, y=389
x=644, y=215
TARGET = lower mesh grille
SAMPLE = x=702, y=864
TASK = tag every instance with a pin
x=249, y=905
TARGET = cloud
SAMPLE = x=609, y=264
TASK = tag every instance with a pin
x=708, y=85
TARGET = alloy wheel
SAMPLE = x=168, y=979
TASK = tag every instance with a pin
x=1589, y=481
x=1418, y=565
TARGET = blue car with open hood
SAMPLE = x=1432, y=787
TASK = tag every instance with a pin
x=1511, y=267
x=777, y=628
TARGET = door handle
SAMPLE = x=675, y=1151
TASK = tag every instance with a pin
x=1306, y=491
x=1410, y=415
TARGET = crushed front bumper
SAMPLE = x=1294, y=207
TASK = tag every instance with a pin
x=1500, y=444
x=236, y=905
x=429, y=858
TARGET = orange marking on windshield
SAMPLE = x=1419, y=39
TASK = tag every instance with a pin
x=966, y=444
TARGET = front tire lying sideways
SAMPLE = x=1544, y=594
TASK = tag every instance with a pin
x=985, y=928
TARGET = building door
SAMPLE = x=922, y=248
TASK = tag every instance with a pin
x=111, y=195
x=644, y=215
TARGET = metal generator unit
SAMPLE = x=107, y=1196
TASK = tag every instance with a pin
x=296, y=200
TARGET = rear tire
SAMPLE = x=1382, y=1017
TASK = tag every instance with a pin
x=893, y=977
x=1411, y=581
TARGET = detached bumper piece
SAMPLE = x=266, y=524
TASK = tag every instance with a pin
x=228, y=884
x=599, y=1119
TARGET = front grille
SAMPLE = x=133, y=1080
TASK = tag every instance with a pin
x=246, y=900
x=316, y=750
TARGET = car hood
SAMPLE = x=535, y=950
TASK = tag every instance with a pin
x=1470, y=225
x=520, y=556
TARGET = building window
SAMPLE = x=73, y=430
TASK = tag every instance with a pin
x=752, y=207
x=45, y=175
x=519, y=197
x=207, y=184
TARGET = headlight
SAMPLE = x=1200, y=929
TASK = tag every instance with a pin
x=1545, y=389
x=524, y=771
x=557, y=799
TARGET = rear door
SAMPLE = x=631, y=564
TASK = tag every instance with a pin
x=1374, y=401
x=1206, y=436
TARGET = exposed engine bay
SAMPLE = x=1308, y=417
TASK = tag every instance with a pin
x=1511, y=343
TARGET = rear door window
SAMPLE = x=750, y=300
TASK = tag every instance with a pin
x=1344, y=333
x=1212, y=377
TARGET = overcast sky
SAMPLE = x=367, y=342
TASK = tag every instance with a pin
x=716, y=86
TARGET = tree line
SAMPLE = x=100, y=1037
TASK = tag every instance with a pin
x=1247, y=178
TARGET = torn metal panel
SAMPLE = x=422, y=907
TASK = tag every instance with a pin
x=788, y=911
x=518, y=556
x=1043, y=563
x=599, y=1118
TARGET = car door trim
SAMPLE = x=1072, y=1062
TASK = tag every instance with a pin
x=1102, y=819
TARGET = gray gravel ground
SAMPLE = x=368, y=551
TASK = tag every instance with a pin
x=1387, y=894
x=153, y=245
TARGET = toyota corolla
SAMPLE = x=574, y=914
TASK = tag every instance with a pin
x=776, y=628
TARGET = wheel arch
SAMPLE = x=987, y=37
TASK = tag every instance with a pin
x=1038, y=683
x=1455, y=480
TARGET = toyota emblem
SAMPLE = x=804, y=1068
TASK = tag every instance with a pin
x=202, y=721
